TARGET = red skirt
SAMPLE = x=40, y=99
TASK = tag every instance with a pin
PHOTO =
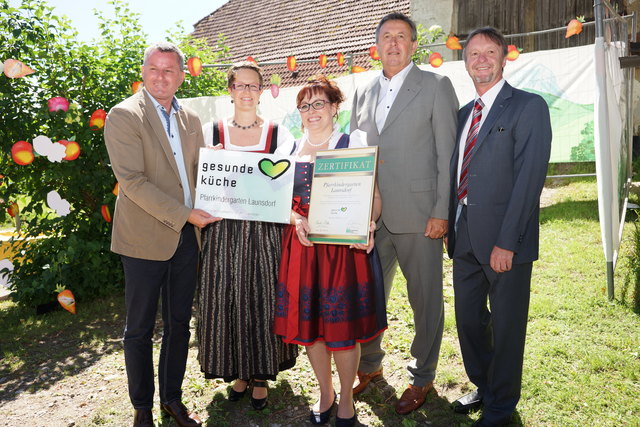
x=328, y=292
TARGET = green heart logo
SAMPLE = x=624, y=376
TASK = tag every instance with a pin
x=343, y=209
x=273, y=170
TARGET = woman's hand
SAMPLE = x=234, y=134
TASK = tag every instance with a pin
x=369, y=247
x=302, y=228
x=216, y=147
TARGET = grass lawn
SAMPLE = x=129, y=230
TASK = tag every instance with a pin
x=582, y=360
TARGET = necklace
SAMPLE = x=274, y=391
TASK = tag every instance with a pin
x=255, y=123
x=322, y=143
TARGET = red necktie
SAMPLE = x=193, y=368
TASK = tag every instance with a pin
x=472, y=136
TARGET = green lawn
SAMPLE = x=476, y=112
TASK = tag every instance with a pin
x=582, y=361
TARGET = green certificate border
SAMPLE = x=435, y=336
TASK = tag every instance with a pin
x=339, y=211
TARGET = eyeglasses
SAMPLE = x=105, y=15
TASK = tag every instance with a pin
x=241, y=87
x=317, y=105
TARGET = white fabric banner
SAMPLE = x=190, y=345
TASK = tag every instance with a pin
x=563, y=77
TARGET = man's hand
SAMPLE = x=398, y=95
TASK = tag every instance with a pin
x=500, y=260
x=200, y=218
x=436, y=228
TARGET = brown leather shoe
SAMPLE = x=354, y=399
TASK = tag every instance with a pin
x=143, y=418
x=363, y=380
x=412, y=398
x=179, y=413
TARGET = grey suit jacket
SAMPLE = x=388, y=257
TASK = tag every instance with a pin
x=150, y=210
x=415, y=147
x=506, y=175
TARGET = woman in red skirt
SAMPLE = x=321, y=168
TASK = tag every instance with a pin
x=330, y=298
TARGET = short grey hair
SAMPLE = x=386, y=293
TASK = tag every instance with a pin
x=164, y=47
x=397, y=16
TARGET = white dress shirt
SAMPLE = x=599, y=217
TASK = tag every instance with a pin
x=389, y=89
x=488, y=98
x=170, y=125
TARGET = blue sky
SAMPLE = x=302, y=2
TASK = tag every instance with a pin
x=156, y=16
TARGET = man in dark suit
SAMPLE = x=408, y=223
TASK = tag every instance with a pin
x=497, y=174
x=153, y=145
x=410, y=115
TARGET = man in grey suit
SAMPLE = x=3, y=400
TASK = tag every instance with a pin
x=497, y=174
x=411, y=116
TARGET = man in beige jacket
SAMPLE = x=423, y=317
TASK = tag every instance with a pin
x=153, y=145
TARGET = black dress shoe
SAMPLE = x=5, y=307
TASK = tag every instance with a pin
x=347, y=422
x=259, y=404
x=179, y=413
x=318, y=418
x=143, y=418
x=467, y=403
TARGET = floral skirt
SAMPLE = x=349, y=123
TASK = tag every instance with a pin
x=328, y=293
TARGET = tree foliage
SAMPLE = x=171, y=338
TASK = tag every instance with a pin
x=71, y=251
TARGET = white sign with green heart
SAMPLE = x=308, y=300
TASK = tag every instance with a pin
x=245, y=185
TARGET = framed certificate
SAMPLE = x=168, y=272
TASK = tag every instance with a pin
x=342, y=195
x=245, y=185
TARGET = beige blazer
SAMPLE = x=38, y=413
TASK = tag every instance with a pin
x=415, y=147
x=150, y=210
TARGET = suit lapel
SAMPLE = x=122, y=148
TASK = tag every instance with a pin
x=408, y=91
x=151, y=115
x=372, y=92
x=499, y=106
x=463, y=115
x=187, y=148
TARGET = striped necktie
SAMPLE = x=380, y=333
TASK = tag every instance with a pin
x=472, y=136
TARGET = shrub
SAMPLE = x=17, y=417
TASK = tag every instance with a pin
x=74, y=252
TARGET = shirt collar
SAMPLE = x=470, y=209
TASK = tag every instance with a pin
x=400, y=76
x=175, y=105
x=489, y=96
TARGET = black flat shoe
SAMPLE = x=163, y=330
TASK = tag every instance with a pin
x=259, y=404
x=347, y=422
x=234, y=396
x=319, y=418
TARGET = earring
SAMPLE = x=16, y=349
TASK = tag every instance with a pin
x=258, y=102
x=232, y=101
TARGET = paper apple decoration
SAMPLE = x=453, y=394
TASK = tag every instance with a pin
x=98, y=117
x=435, y=59
x=136, y=86
x=22, y=153
x=15, y=69
x=116, y=189
x=106, y=214
x=58, y=103
x=194, y=65
x=513, y=52
x=322, y=60
x=72, y=149
x=340, y=58
x=357, y=69
x=13, y=209
x=291, y=63
x=373, y=53
x=453, y=43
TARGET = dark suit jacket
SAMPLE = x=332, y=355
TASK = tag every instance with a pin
x=150, y=210
x=506, y=175
x=415, y=147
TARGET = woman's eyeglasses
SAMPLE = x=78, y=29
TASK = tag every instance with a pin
x=240, y=87
x=317, y=105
